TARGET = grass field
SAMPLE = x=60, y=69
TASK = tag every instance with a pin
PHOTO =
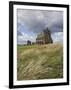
x=40, y=61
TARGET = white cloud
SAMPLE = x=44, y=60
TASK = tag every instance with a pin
x=57, y=37
x=22, y=39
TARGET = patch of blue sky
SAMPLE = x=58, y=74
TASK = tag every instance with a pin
x=57, y=37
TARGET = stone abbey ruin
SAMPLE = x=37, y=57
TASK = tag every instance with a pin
x=44, y=37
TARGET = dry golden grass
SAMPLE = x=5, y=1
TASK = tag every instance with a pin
x=40, y=62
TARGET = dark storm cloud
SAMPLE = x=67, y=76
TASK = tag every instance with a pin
x=56, y=27
x=19, y=33
x=37, y=20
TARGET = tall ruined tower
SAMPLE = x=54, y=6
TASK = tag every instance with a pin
x=44, y=37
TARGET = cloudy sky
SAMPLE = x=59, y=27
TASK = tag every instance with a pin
x=32, y=22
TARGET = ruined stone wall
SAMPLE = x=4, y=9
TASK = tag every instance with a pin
x=44, y=37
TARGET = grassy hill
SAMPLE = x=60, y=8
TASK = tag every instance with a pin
x=40, y=61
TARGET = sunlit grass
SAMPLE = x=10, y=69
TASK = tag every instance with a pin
x=40, y=62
